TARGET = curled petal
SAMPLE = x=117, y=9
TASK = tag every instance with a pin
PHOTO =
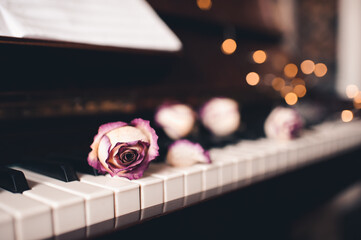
x=184, y=153
x=93, y=155
x=145, y=127
x=119, y=169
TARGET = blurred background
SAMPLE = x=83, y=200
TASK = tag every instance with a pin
x=300, y=53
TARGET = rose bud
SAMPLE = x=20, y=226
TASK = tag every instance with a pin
x=221, y=116
x=177, y=120
x=124, y=150
x=183, y=153
x=283, y=124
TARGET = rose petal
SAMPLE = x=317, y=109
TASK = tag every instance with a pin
x=145, y=127
x=127, y=134
x=93, y=155
x=139, y=160
x=184, y=153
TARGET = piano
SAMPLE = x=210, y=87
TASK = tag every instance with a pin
x=254, y=187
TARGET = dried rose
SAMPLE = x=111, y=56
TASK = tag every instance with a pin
x=283, y=124
x=177, y=120
x=184, y=153
x=123, y=149
x=221, y=116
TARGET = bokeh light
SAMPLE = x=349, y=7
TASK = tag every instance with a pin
x=320, y=70
x=259, y=56
x=290, y=70
x=300, y=90
x=352, y=91
x=229, y=46
x=346, y=116
x=285, y=90
x=357, y=101
x=307, y=66
x=291, y=98
x=204, y=4
x=252, y=78
x=298, y=81
x=278, y=83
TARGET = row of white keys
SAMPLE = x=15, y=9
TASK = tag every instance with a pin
x=126, y=197
x=173, y=185
x=32, y=219
x=99, y=202
x=151, y=194
x=68, y=210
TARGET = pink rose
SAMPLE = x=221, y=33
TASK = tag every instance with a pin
x=283, y=124
x=176, y=119
x=221, y=116
x=124, y=150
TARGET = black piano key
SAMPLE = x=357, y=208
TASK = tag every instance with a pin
x=80, y=164
x=55, y=169
x=13, y=180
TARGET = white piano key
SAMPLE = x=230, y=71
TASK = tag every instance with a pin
x=228, y=169
x=126, y=194
x=192, y=183
x=68, y=210
x=210, y=179
x=32, y=218
x=99, y=202
x=173, y=185
x=151, y=194
x=7, y=230
x=244, y=165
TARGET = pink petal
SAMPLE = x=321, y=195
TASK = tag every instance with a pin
x=103, y=129
x=145, y=127
x=185, y=153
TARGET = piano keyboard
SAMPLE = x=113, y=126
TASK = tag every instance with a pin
x=87, y=205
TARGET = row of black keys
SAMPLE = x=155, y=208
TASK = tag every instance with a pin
x=63, y=168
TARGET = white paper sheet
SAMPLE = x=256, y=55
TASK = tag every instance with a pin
x=118, y=23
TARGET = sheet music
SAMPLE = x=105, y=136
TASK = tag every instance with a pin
x=119, y=23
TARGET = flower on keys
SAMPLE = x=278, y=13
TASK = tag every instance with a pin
x=221, y=116
x=283, y=124
x=124, y=150
x=176, y=119
x=184, y=153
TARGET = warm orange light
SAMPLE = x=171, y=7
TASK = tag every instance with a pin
x=290, y=70
x=307, y=66
x=351, y=91
x=320, y=70
x=357, y=98
x=300, y=90
x=252, y=78
x=278, y=83
x=291, y=98
x=259, y=56
x=285, y=90
x=298, y=81
x=204, y=4
x=357, y=101
x=229, y=46
x=346, y=116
